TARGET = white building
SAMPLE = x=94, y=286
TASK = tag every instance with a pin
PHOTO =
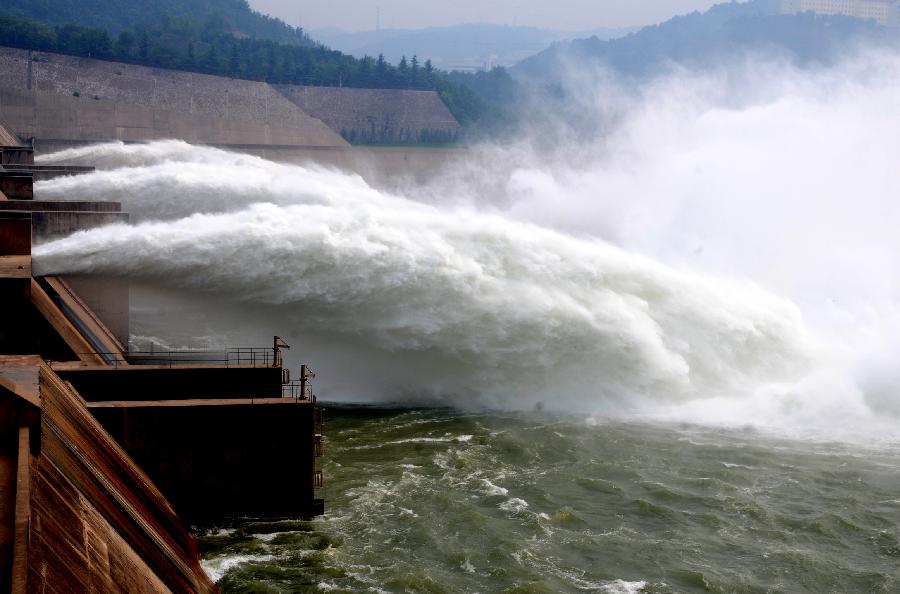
x=883, y=12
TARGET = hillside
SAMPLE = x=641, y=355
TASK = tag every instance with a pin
x=116, y=16
x=455, y=47
x=698, y=40
x=209, y=47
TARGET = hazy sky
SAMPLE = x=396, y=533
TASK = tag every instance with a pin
x=358, y=15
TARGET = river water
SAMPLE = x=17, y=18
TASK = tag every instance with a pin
x=436, y=500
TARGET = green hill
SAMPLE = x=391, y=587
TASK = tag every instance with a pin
x=228, y=38
x=115, y=16
x=217, y=43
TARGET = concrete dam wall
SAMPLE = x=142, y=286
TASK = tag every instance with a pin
x=378, y=115
x=56, y=97
x=63, y=100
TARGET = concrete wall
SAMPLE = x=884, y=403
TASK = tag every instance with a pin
x=56, y=97
x=56, y=206
x=51, y=96
x=108, y=298
x=16, y=185
x=147, y=382
x=224, y=460
x=377, y=115
x=86, y=518
x=383, y=167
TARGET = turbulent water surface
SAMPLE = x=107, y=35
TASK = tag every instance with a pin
x=440, y=501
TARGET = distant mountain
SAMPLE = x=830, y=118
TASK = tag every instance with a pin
x=722, y=33
x=458, y=47
x=119, y=15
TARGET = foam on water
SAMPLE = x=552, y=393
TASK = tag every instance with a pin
x=216, y=567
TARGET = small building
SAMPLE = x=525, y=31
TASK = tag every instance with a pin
x=883, y=12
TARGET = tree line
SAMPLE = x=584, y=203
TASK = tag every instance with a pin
x=211, y=47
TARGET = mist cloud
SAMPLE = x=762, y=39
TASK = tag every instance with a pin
x=724, y=252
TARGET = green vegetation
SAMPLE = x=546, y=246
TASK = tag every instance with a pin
x=116, y=16
x=212, y=46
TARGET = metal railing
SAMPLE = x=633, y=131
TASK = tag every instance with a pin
x=233, y=357
x=249, y=357
x=254, y=357
x=297, y=390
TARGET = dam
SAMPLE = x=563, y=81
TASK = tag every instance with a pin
x=64, y=101
x=107, y=454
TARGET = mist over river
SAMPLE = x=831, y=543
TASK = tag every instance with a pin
x=663, y=360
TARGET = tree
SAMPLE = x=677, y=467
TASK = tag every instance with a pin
x=234, y=63
x=403, y=72
x=212, y=61
x=143, y=44
x=414, y=72
x=82, y=41
x=191, y=60
x=26, y=34
x=381, y=69
x=364, y=72
x=125, y=45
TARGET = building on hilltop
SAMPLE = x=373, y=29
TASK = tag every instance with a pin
x=883, y=12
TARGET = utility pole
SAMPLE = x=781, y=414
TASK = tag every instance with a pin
x=377, y=18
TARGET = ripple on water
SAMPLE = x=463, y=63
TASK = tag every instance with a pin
x=506, y=504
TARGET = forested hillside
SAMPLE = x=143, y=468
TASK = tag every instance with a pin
x=700, y=40
x=211, y=46
x=115, y=16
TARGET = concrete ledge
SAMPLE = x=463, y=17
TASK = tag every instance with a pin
x=201, y=402
x=60, y=206
x=15, y=266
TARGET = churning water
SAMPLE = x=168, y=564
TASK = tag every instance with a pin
x=670, y=355
x=440, y=501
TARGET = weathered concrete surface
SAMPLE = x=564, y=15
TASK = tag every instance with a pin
x=25, y=221
x=60, y=205
x=70, y=98
x=15, y=233
x=8, y=138
x=56, y=97
x=16, y=185
x=377, y=115
x=221, y=458
x=186, y=382
x=80, y=515
x=16, y=155
x=15, y=267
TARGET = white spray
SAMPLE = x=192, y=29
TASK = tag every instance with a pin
x=513, y=299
